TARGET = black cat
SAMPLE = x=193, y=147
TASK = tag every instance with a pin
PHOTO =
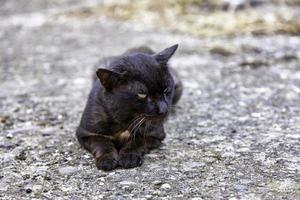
x=124, y=115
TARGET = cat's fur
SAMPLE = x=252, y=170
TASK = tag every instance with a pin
x=124, y=114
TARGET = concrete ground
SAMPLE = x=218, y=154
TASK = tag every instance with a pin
x=235, y=133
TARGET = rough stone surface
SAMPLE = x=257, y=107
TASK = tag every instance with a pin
x=235, y=133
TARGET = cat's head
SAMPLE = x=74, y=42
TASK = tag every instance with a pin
x=139, y=84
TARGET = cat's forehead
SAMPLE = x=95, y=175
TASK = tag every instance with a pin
x=139, y=64
x=145, y=69
x=134, y=86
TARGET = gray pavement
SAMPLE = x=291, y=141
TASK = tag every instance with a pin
x=235, y=133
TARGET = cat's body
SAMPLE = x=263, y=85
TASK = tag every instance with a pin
x=131, y=96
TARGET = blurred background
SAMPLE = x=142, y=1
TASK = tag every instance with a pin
x=236, y=130
x=203, y=17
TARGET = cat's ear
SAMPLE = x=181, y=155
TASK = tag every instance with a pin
x=109, y=79
x=163, y=56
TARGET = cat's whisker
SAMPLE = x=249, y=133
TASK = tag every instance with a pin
x=133, y=122
x=137, y=127
x=140, y=124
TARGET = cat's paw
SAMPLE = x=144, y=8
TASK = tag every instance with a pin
x=106, y=162
x=130, y=160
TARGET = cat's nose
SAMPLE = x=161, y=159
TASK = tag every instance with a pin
x=162, y=108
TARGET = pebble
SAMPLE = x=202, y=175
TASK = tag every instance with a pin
x=69, y=170
x=165, y=186
x=28, y=190
x=37, y=188
x=3, y=187
x=21, y=156
x=127, y=183
x=157, y=182
x=9, y=136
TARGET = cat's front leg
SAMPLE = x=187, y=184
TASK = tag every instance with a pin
x=102, y=148
x=132, y=154
x=104, y=152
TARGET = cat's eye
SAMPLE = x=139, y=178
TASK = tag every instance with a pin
x=142, y=95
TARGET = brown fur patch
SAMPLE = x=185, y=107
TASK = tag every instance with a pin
x=120, y=136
